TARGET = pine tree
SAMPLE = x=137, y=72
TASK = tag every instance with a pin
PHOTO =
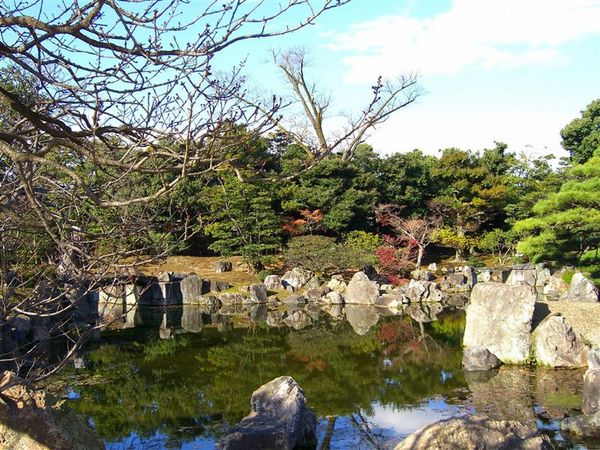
x=566, y=224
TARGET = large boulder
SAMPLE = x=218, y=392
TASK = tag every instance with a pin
x=333, y=298
x=258, y=293
x=28, y=422
x=476, y=432
x=591, y=384
x=591, y=392
x=193, y=287
x=424, y=291
x=499, y=318
x=361, y=290
x=583, y=426
x=273, y=283
x=479, y=358
x=581, y=290
x=223, y=266
x=557, y=345
x=279, y=419
x=296, y=278
x=337, y=284
x=555, y=287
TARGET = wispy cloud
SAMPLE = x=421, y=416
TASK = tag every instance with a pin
x=472, y=33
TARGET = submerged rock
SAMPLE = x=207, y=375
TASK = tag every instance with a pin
x=591, y=392
x=297, y=319
x=499, y=318
x=479, y=358
x=476, y=432
x=27, y=422
x=279, y=419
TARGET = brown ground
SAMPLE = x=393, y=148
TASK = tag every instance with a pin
x=204, y=267
x=583, y=317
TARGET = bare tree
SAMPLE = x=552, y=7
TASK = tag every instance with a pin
x=389, y=96
x=417, y=231
x=105, y=106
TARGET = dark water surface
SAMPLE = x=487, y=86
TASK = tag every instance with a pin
x=180, y=377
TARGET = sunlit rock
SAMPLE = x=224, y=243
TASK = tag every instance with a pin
x=581, y=290
x=361, y=290
x=499, y=318
x=479, y=358
x=258, y=293
x=27, y=422
x=273, y=283
x=279, y=419
x=337, y=284
x=557, y=345
x=476, y=432
x=296, y=278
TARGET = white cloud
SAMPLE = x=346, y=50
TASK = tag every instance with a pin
x=473, y=33
x=430, y=129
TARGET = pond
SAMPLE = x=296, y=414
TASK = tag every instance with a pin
x=181, y=377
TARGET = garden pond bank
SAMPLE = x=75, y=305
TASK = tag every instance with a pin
x=180, y=377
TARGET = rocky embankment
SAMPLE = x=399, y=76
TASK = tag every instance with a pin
x=30, y=421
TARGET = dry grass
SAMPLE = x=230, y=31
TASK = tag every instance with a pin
x=204, y=267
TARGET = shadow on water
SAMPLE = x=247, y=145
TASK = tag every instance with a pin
x=177, y=376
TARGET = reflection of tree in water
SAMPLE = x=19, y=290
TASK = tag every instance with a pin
x=196, y=386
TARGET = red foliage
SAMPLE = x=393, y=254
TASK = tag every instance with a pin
x=308, y=222
x=393, y=263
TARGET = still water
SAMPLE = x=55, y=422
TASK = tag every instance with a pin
x=180, y=377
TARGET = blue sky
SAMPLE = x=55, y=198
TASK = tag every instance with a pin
x=514, y=71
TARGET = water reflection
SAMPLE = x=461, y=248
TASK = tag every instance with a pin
x=179, y=377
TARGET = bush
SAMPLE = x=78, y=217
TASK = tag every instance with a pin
x=567, y=276
x=263, y=274
x=323, y=254
x=362, y=240
x=393, y=263
x=316, y=253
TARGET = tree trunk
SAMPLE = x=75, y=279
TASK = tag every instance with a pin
x=420, y=255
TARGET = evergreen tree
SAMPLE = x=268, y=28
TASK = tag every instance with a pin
x=567, y=223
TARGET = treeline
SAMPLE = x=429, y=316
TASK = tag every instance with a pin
x=274, y=198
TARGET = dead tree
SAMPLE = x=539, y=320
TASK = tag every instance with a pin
x=388, y=97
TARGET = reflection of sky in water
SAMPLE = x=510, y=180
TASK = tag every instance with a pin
x=160, y=441
x=387, y=424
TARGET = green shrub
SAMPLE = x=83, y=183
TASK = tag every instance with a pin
x=567, y=276
x=263, y=274
x=316, y=253
x=362, y=240
x=323, y=254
